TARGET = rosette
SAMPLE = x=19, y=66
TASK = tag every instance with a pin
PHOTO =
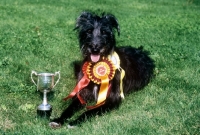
x=100, y=73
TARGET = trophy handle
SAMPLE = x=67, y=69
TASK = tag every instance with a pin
x=58, y=78
x=33, y=72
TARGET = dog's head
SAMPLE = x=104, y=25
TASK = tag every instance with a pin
x=96, y=35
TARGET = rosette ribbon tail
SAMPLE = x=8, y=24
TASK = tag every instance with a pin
x=121, y=83
x=81, y=84
x=102, y=92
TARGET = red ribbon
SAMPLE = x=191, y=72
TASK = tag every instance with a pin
x=81, y=84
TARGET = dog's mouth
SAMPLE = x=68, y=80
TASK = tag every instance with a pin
x=94, y=54
x=95, y=57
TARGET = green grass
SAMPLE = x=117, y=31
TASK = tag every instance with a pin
x=38, y=35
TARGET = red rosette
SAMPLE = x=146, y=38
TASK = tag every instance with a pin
x=95, y=72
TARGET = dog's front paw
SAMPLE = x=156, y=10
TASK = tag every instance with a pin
x=54, y=125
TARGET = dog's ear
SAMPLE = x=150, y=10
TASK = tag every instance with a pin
x=114, y=23
x=82, y=19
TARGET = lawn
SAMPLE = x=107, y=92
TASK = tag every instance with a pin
x=38, y=35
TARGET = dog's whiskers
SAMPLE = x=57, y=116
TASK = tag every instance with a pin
x=82, y=48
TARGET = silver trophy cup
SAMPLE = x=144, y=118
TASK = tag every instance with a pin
x=45, y=83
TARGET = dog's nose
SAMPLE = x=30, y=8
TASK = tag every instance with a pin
x=94, y=49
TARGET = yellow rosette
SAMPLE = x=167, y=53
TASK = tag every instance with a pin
x=116, y=62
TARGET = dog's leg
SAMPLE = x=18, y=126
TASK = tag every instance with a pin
x=113, y=101
x=67, y=113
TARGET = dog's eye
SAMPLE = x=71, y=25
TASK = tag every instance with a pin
x=89, y=31
x=103, y=32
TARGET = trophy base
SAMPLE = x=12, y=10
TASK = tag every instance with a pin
x=44, y=113
x=44, y=110
x=43, y=107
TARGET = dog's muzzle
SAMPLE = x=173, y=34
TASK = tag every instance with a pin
x=94, y=52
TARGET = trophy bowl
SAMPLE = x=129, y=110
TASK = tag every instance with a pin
x=45, y=83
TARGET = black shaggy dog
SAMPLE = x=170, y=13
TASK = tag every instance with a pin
x=97, y=42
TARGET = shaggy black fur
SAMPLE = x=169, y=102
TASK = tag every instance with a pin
x=96, y=37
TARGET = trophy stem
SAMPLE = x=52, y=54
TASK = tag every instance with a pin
x=45, y=98
x=44, y=106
